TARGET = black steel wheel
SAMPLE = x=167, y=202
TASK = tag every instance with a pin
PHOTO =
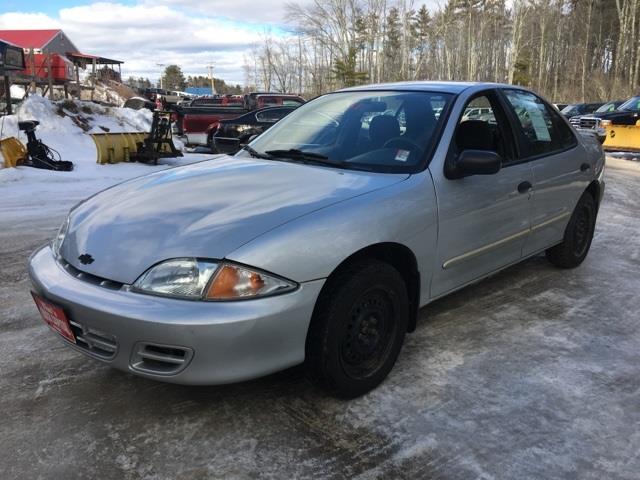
x=357, y=329
x=369, y=334
x=577, y=236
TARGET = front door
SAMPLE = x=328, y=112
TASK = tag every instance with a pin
x=483, y=220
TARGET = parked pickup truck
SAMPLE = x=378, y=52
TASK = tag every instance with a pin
x=198, y=123
x=628, y=113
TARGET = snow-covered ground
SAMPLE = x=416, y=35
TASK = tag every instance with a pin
x=64, y=126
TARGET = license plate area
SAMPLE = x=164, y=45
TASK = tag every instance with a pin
x=54, y=316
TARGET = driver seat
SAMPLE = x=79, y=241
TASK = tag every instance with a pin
x=382, y=129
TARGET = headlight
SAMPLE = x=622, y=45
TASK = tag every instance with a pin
x=180, y=277
x=605, y=123
x=197, y=279
x=57, y=241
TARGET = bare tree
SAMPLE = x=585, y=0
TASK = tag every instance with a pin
x=567, y=49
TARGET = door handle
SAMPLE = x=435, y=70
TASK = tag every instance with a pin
x=524, y=187
x=584, y=167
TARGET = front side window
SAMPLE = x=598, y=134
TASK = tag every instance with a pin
x=386, y=131
x=542, y=129
x=482, y=127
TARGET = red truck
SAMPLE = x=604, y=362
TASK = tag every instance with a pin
x=198, y=123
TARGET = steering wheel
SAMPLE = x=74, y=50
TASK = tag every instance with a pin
x=403, y=143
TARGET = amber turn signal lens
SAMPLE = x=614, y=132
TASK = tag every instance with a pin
x=224, y=283
x=234, y=281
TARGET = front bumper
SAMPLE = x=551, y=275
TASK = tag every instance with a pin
x=196, y=138
x=224, y=341
x=226, y=145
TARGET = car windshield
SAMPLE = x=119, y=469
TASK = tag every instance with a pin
x=570, y=110
x=633, y=105
x=607, y=107
x=384, y=131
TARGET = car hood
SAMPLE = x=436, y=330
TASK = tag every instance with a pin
x=205, y=210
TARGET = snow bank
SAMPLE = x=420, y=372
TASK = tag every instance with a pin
x=17, y=91
x=64, y=126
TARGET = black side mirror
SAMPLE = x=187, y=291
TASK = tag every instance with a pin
x=477, y=162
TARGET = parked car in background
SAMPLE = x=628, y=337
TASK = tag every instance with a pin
x=319, y=242
x=579, y=109
x=560, y=106
x=233, y=134
x=138, y=103
x=198, y=122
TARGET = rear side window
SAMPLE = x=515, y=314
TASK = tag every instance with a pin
x=542, y=130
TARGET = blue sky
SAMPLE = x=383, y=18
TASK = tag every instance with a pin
x=50, y=7
x=142, y=33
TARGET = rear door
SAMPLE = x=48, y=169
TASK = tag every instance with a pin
x=483, y=220
x=559, y=163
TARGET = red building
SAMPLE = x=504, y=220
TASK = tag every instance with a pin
x=53, y=59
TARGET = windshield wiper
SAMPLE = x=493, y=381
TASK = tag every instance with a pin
x=256, y=154
x=307, y=157
x=295, y=154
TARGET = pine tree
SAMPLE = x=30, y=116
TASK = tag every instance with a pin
x=173, y=78
x=345, y=70
x=393, y=44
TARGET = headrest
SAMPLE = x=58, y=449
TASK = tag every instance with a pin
x=474, y=135
x=383, y=128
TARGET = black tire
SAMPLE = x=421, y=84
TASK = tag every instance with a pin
x=578, y=235
x=370, y=298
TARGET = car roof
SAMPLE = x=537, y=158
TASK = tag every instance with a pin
x=428, y=86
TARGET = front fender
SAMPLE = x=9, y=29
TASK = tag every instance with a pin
x=312, y=246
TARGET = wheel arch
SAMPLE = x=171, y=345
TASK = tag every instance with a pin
x=402, y=259
x=594, y=189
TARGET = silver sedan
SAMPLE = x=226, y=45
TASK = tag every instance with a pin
x=319, y=242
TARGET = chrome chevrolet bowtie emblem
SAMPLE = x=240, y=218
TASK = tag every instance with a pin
x=85, y=259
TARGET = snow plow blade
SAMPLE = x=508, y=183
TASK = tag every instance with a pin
x=622, y=138
x=13, y=152
x=117, y=147
x=123, y=147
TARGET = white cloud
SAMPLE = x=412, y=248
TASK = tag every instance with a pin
x=142, y=37
x=260, y=11
x=189, y=33
x=18, y=20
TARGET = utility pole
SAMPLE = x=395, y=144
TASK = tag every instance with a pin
x=160, y=65
x=210, y=70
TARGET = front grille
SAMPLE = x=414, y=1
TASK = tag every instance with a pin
x=88, y=277
x=589, y=122
x=160, y=359
x=94, y=341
